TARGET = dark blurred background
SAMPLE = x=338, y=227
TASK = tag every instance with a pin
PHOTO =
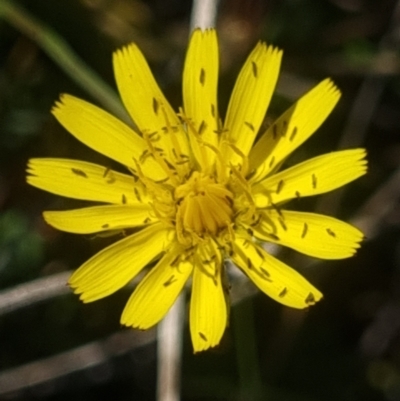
x=347, y=347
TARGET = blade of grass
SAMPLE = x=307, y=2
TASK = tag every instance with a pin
x=63, y=55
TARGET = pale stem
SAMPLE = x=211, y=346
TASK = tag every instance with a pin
x=169, y=349
x=204, y=14
x=27, y=294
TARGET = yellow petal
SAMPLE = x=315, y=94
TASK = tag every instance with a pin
x=157, y=292
x=114, y=266
x=200, y=79
x=312, y=177
x=312, y=234
x=85, y=181
x=208, y=309
x=275, y=278
x=295, y=126
x=250, y=98
x=100, y=218
x=146, y=103
x=104, y=133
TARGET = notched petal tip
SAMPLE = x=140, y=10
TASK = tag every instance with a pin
x=133, y=324
x=131, y=50
x=201, y=342
x=363, y=157
x=130, y=323
x=360, y=160
x=312, y=298
x=331, y=88
x=205, y=346
x=30, y=167
x=60, y=104
x=265, y=47
x=79, y=292
x=57, y=105
x=265, y=53
x=202, y=32
x=124, y=49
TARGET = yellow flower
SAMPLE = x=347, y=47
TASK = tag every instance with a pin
x=198, y=191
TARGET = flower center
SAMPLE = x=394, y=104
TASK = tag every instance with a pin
x=203, y=207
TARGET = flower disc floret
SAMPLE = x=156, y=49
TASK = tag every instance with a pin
x=204, y=206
